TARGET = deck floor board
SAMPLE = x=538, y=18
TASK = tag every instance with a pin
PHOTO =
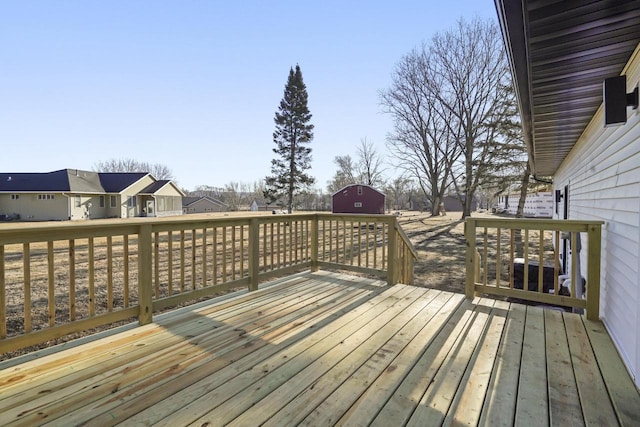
x=331, y=349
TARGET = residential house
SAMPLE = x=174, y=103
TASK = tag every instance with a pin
x=204, y=204
x=560, y=53
x=358, y=198
x=73, y=194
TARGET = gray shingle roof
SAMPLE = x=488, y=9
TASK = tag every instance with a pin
x=115, y=182
x=68, y=180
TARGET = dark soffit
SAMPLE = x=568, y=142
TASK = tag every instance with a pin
x=560, y=52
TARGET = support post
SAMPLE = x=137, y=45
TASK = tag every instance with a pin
x=145, y=291
x=593, y=271
x=392, y=252
x=470, y=236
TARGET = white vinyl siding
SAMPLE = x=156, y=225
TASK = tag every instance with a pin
x=603, y=174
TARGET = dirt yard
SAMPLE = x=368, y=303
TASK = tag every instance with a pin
x=441, y=247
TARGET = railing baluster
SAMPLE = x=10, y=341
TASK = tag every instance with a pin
x=26, y=268
x=290, y=235
x=498, y=255
x=109, y=274
x=511, y=256
x=351, y=243
x=92, y=278
x=125, y=250
x=485, y=261
x=3, y=298
x=278, y=243
x=359, y=244
x=242, y=253
x=194, y=245
x=525, y=284
x=183, y=267
x=575, y=273
x=541, y=262
x=254, y=253
x=224, y=254
x=215, y=256
x=170, y=262
x=556, y=262
x=204, y=257
x=295, y=244
x=367, y=245
x=265, y=248
x=375, y=244
x=156, y=264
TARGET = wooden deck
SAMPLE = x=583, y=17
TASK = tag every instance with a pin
x=325, y=349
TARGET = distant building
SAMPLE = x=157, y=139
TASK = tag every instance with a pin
x=453, y=204
x=358, y=198
x=76, y=194
x=204, y=204
x=536, y=205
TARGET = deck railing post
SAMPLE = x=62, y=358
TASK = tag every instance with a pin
x=392, y=242
x=315, y=220
x=254, y=253
x=470, y=236
x=593, y=271
x=145, y=298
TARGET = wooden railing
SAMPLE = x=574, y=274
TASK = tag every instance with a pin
x=520, y=258
x=63, y=278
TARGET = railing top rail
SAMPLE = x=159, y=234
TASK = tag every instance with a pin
x=25, y=232
x=534, y=223
x=371, y=217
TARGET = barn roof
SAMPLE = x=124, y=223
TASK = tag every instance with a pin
x=357, y=185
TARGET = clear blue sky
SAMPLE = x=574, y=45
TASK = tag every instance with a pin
x=194, y=85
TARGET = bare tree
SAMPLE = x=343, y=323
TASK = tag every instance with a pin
x=474, y=90
x=366, y=169
x=345, y=175
x=370, y=165
x=398, y=192
x=130, y=165
x=422, y=143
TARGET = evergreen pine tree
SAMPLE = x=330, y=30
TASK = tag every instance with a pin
x=292, y=135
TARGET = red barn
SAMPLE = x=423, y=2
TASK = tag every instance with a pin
x=358, y=198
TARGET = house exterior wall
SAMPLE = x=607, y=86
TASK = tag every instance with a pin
x=36, y=206
x=348, y=200
x=130, y=203
x=602, y=174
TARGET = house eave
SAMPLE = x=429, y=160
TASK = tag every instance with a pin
x=560, y=53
